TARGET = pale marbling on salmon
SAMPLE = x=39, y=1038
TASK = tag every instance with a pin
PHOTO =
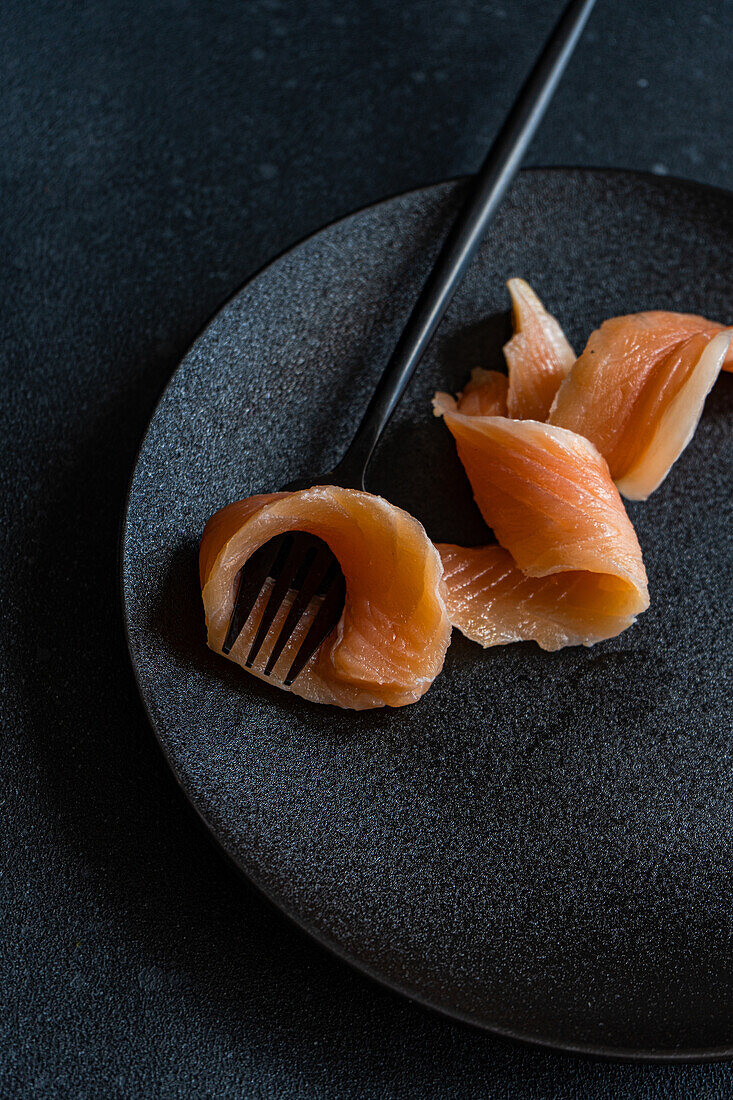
x=568, y=568
x=638, y=390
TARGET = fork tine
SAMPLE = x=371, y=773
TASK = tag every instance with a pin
x=252, y=576
x=284, y=571
x=306, y=584
x=326, y=618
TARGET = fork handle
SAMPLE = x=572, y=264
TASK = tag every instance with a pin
x=489, y=187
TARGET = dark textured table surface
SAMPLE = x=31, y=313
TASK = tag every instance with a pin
x=154, y=155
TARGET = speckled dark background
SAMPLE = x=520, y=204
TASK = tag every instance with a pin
x=154, y=155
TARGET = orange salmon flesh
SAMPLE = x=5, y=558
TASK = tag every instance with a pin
x=548, y=449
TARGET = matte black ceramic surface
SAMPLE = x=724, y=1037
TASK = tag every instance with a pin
x=544, y=844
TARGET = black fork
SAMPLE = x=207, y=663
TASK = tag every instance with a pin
x=297, y=566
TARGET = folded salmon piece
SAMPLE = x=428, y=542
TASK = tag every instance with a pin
x=638, y=390
x=568, y=569
x=538, y=356
x=485, y=395
x=391, y=640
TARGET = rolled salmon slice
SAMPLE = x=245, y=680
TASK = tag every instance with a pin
x=638, y=390
x=391, y=640
x=538, y=356
x=568, y=569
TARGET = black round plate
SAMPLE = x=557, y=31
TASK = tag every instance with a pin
x=544, y=844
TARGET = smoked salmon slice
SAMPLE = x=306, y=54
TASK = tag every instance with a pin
x=538, y=356
x=485, y=395
x=638, y=390
x=568, y=569
x=391, y=640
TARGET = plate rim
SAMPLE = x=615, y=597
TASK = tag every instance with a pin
x=620, y=1055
